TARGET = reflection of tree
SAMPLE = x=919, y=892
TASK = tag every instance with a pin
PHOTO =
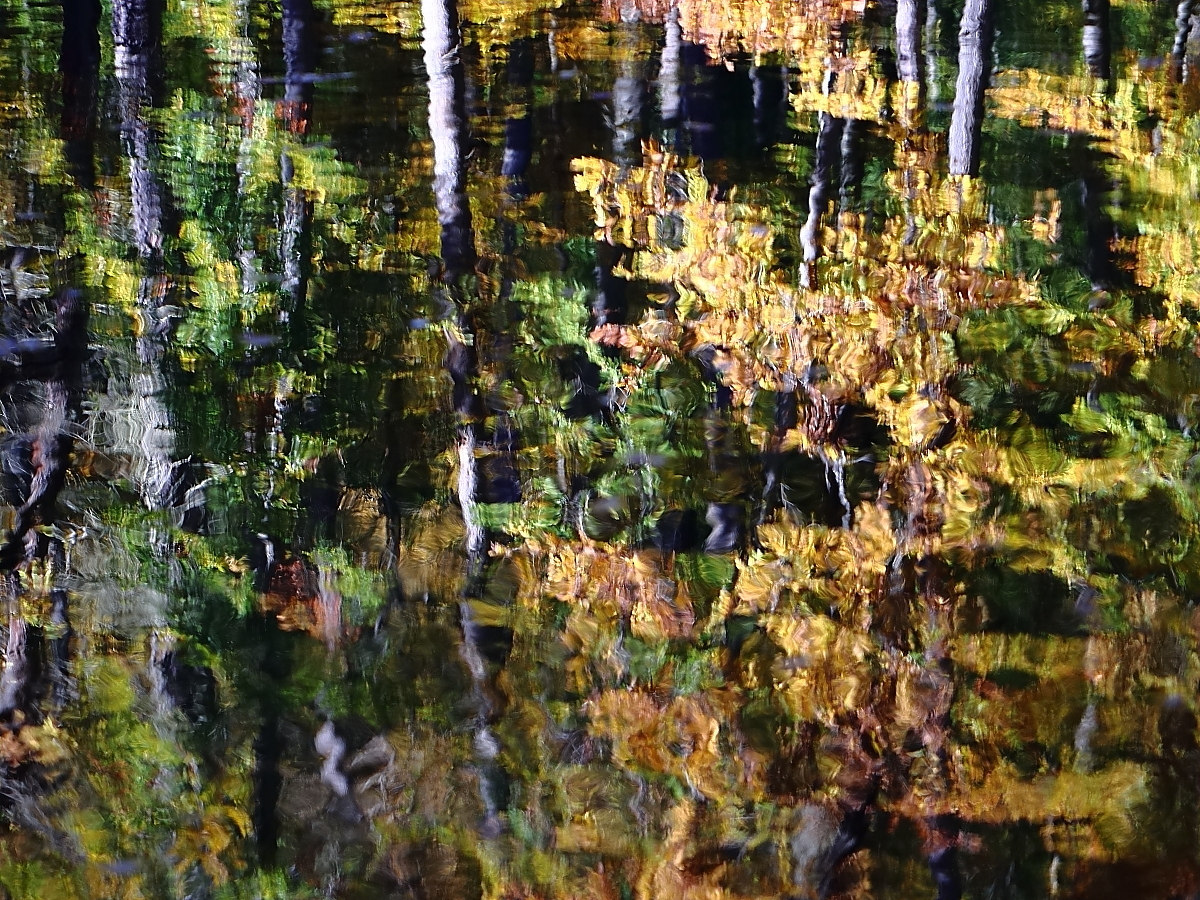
x=974, y=64
x=135, y=28
x=929, y=288
x=35, y=681
x=1184, y=28
x=828, y=150
x=136, y=35
x=1097, y=39
x=956, y=638
x=79, y=63
x=909, y=57
x=669, y=87
x=629, y=89
x=447, y=124
x=298, y=53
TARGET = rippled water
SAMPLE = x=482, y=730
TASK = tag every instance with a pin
x=630, y=450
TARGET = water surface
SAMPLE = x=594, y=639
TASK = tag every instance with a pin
x=632, y=449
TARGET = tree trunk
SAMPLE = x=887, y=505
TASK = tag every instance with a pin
x=136, y=33
x=853, y=165
x=909, y=63
x=669, y=90
x=974, y=64
x=1183, y=30
x=701, y=106
x=1097, y=40
x=828, y=151
x=136, y=26
x=79, y=64
x=628, y=92
x=447, y=129
x=299, y=55
x=932, y=90
x=769, y=90
x=1099, y=262
x=518, y=129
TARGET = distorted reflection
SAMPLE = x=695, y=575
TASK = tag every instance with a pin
x=697, y=449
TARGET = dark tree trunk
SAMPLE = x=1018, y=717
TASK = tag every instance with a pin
x=267, y=786
x=770, y=103
x=942, y=857
x=518, y=129
x=79, y=64
x=299, y=60
x=501, y=473
x=787, y=417
x=58, y=636
x=1099, y=261
x=853, y=164
x=611, y=305
x=701, y=104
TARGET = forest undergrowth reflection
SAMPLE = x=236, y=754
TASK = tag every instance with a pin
x=599, y=449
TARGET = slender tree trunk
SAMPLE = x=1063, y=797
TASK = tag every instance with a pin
x=1097, y=40
x=828, y=151
x=246, y=91
x=787, y=417
x=932, y=51
x=136, y=30
x=503, y=483
x=299, y=56
x=853, y=164
x=1184, y=13
x=769, y=90
x=974, y=64
x=447, y=129
x=267, y=785
x=1099, y=262
x=58, y=636
x=701, y=106
x=670, y=95
x=299, y=60
x=15, y=675
x=909, y=62
x=913, y=68
x=136, y=33
x=518, y=128
x=79, y=64
x=628, y=92
x=628, y=97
